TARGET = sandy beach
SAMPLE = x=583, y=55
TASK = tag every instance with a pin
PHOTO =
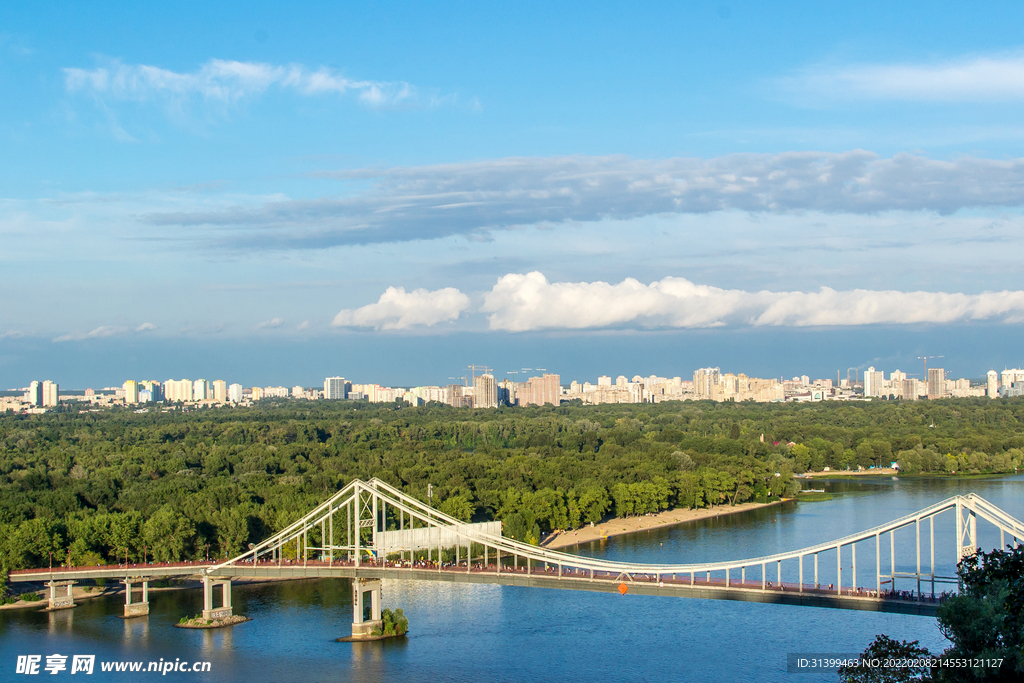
x=883, y=471
x=631, y=525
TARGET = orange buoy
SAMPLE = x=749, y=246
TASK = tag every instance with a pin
x=623, y=588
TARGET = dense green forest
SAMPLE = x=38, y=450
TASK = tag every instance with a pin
x=182, y=484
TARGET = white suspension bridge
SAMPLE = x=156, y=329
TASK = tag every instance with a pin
x=370, y=531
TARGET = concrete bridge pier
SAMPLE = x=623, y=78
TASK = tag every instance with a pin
x=360, y=587
x=209, y=611
x=61, y=601
x=135, y=609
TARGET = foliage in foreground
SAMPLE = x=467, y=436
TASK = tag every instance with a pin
x=984, y=623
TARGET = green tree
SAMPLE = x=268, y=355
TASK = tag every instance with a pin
x=458, y=507
x=885, y=648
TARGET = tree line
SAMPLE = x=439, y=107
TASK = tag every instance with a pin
x=94, y=487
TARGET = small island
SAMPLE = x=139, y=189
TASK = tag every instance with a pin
x=200, y=622
x=392, y=625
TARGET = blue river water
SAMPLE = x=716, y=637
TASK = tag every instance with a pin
x=493, y=633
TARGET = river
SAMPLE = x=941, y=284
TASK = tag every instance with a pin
x=492, y=633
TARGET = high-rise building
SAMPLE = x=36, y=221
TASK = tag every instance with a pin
x=604, y=381
x=455, y=395
x=178, y=390
x=200, y=390
x=235, y=393
x=154, y=388
x=335, y=388
x=131, y=391
x=51, y=394
x=873, y=382
x=257, y=393
x=298, y=392
x=936, y=383
x=992, y=390
x=485, y=392
x=220, y=390
x=706, y=381
x=34, y=394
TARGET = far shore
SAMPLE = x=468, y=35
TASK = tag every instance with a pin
x=878, y=471
x=631, y=525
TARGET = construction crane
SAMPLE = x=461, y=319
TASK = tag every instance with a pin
x=473, y=368
x=925, y=359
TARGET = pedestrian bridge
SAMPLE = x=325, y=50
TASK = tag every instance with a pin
x=370, y=531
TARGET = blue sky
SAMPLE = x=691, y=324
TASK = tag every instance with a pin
x=315, y=183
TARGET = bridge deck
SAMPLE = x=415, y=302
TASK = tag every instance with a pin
x=605, y=582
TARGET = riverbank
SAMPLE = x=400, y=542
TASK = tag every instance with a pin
x=632, y=525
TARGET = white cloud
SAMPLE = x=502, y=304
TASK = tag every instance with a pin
x=145, y=327
x=304, y=325
x=227, y=82
x=98, y=333
x=522, y=302
x=398, y=310
x=268, y=324
x=967, y=79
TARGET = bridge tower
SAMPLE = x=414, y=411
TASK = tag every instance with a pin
x=61, y=601
x=136, y=609
x=209, y=611
x=360, y=587
x=966, y=531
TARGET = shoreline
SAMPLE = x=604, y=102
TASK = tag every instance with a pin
x=621, y=526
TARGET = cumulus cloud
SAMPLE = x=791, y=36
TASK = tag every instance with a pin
x=398, y=309
x=430, y=202
x=145, y=327
x=972, y=79
x=268, y=324
x=227, y=82
x=523, y=302
x=98, y=333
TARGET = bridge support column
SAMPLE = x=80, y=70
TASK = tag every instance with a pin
x=66, y=601
x=360, y=627
x=209, y=611
x=135, y=609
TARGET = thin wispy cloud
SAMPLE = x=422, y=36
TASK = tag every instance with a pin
x=470, y=199
x=398, y=309
x=270, y=324
x=220, y=84
x=966, y=79
x=100, y=332
x=525, y=302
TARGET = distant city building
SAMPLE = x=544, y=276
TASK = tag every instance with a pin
x=51, y=394
x=200, y=390
x=936, y=383
x=34, y=394
x=235, y=393
x=336, y=388
x=220, y=391
x=992, y=386
x=131, y=391
x=485, y=392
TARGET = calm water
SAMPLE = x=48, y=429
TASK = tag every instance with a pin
x=492, y=633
